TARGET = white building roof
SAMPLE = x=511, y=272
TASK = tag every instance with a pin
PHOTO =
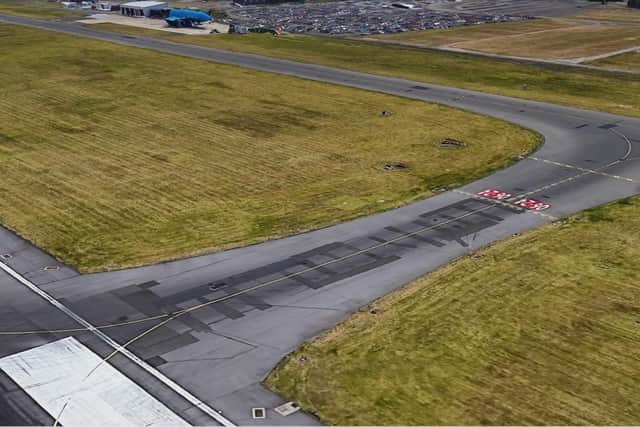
x=145, y=4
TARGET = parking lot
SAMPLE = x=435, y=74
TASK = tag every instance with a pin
x=357, y=17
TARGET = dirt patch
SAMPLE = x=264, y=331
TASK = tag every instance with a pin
x=395, y=166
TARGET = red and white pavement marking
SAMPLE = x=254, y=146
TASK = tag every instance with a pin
x=532, y=205
x=526, y=203
x=495, y=194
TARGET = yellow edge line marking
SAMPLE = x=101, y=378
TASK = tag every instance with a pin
x=593, y=171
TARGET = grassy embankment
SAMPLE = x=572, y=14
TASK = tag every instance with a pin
x=596, y=90
x=544, y=39
x=541, y=329
x=145, y=156
x=617, y=12
x=40, y=9
x=625, y=61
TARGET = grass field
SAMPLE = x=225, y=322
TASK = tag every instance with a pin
x=433, y=38
x=144, y=156
x=625, y=61
x=545, y=39
x=573, y=42
x=41, y=9
x=541, y=329
x=612, y=12
x=596, y=90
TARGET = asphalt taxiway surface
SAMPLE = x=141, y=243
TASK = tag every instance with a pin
x=222, y=321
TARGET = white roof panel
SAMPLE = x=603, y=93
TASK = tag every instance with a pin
x=144, y=4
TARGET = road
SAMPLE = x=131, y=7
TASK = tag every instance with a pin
x=222, y=321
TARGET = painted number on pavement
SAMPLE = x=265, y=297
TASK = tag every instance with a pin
x=533, y=205
x=495, y=194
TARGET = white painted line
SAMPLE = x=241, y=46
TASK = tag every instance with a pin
x=120, y=349
x=629, y=146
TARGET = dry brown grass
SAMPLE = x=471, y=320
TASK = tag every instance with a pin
x=113, y=156
x=611, y=12
x=434, y=38
x=573, y=42
x=545, y=39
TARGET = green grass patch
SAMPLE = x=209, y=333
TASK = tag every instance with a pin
x=590, y=89
x=128, y=156
x=540, y=329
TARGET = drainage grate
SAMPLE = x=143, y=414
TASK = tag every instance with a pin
x=51, y=268
x=6, y=256
x=259, y=413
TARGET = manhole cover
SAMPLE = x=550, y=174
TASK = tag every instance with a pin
x=395, y=166
x=450, y=143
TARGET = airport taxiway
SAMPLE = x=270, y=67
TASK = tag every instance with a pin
x=223, y=320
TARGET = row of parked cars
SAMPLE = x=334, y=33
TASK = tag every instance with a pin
x=355, y=17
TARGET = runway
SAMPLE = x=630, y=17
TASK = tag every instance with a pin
x=226, y=319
